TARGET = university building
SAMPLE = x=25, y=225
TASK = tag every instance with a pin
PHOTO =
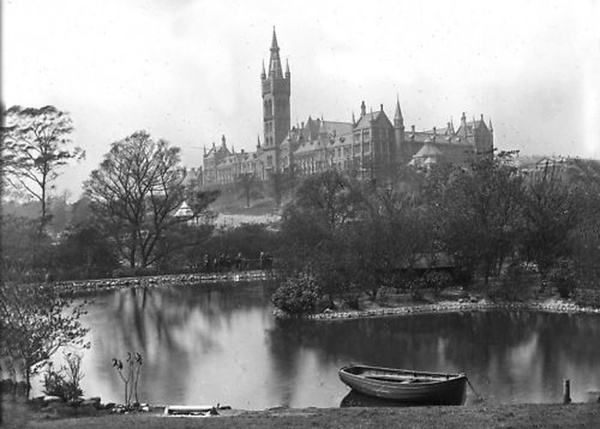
x=372, y=145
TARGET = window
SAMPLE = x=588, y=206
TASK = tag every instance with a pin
x=269, y=161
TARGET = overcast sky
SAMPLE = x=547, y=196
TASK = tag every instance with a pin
x=189, y=70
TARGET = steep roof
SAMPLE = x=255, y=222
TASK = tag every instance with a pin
x=428, y=151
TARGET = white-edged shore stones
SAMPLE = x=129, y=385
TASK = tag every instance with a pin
x=551, y=305
x=85, y=286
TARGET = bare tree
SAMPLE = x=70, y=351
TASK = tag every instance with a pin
x=35, y=144
x=136, y=192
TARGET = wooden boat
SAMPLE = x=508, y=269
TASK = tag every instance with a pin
x=406, y=386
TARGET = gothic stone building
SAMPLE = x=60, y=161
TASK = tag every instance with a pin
x=372, y=145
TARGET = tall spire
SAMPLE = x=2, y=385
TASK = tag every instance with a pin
x=274, y=40
x=275, y=61
x=398, y=119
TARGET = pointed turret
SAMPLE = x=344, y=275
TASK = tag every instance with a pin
x=398, y=119
x=322, y=128
x=275, y=62
x=258, y=142
x=491, y=128
x=399, y=133
x=481, y=122
x=363, y=109
x=263, y=75
x=287, y=68
x=353, y=119
x=463, y=126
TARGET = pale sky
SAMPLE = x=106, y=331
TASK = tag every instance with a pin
x=188, y=71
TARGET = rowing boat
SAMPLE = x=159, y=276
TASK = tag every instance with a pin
x=406, y=386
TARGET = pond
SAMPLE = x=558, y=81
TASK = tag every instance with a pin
x=206, y=344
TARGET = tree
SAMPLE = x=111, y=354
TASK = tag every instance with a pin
x=36, y=322
x=550, y=212
x=135, y=193
x=35, y=145
x=276, y=179
x=25, y=254
x=247, y=181
x=84, y=252
x=314, y=232
x=478, y=212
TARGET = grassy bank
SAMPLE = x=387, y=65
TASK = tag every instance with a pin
x=466, y=417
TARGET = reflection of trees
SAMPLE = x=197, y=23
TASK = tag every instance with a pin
x=141, y=313
x=504, y=353
x=173, y=327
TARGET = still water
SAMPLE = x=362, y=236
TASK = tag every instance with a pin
x=219, y=343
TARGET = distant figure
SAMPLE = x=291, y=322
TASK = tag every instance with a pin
x=268, y=261
x=49, y=278
x=262, y=260
x=238, y=261
x=206, y=261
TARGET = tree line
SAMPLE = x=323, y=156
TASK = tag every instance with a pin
x=488, y=221
x=349, y=236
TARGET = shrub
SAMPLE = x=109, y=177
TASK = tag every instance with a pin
x=66, y=382
x=297, y=295
x=438, y=281
x=512, y=285
x=587, y=298
x=416, y=287
x=564, y=279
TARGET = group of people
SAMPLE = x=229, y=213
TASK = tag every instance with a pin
x=225, y=262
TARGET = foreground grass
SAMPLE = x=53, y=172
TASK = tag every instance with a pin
x=466, y=417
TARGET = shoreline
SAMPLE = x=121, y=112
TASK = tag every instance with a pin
x=551, y=305
x=81, y=287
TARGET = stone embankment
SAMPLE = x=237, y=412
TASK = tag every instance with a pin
x=551, y=305
x=86, y=286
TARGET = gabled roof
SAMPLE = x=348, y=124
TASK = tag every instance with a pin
x=318, y=127
x=365, y=120
x=428, y=151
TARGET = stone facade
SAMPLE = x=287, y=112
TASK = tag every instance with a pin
x=371, y=146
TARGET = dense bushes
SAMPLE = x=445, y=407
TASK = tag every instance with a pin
x=297, y=295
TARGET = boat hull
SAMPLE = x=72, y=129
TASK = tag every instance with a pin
x=404, y=386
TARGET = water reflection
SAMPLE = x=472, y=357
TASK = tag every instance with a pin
x=219, y=343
